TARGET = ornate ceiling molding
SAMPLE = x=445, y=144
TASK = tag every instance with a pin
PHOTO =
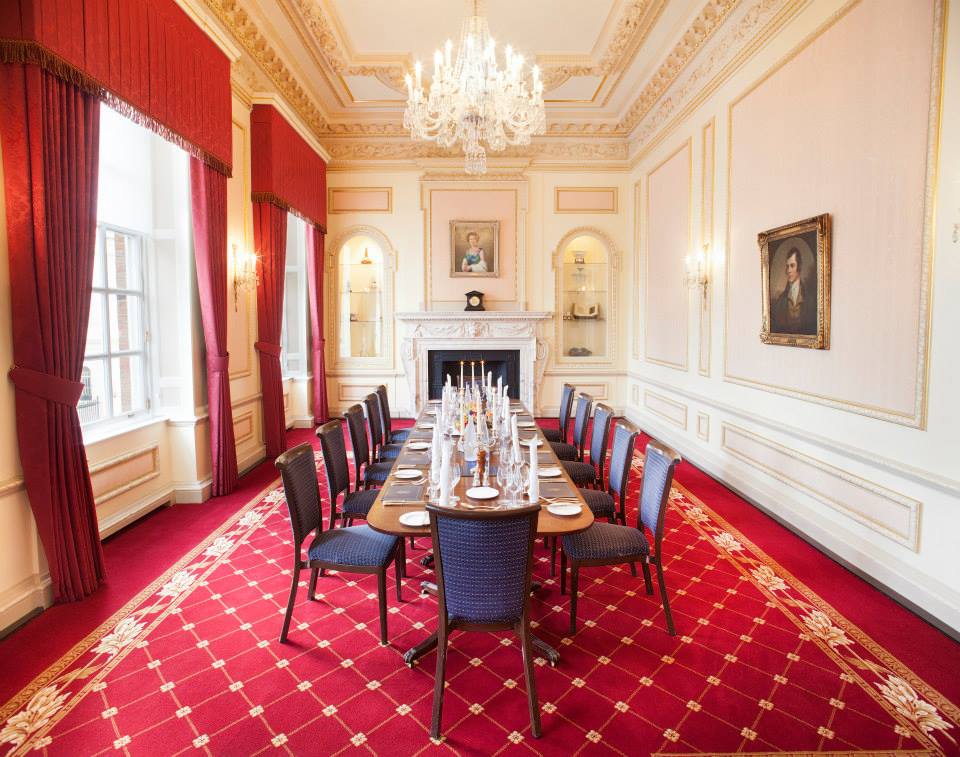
x=246, y=32
x=540, y=149
x=693, y=40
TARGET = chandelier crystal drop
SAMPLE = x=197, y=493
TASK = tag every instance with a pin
x=472, y=101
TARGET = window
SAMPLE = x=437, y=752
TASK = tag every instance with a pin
x=294, y=338
x=114, y=371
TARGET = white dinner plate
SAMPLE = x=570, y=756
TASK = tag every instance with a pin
x=535, y=441
x=525, y=424
x=549, y=472
x=426, y=426
x=482, y=492
x=408, y=473
x=416, y=518
x=418, y=445
x=564, y=510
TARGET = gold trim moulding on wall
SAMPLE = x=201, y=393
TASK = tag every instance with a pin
x=787, y=465
x=11, y=486
x=703, y=426
x=153, y=451
x=355, y=393
x=566, y=200
x=666, y=408
x=917, y=418
x=708, y=190
x=351, y=200
x=247, y=418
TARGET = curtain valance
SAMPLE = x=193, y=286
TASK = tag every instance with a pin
x=286, y=171
x=146, y=58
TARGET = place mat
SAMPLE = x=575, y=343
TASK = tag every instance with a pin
x=403, y=494
x=413, y=457
x=546, y=457
x=420, y=436
x=555, y=489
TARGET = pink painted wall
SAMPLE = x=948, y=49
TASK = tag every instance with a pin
x=472, y=205
x=668, y=244
x=841, y=128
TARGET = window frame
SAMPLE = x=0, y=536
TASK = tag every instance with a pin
x=144, y=294
x=297, y=266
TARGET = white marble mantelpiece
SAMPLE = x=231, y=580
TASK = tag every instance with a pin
x=474, y=330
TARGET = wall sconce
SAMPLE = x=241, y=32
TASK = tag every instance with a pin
x=244, y=274
x=697, y=268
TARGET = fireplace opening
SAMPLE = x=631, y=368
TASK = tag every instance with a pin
x=503, y=364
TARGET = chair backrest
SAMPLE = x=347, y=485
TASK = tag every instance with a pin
x=483, y=562
x=566, y=406
x=298, y=470
x=358, y=438
x=385, y=412
x=600, y=438
x=334, y=450
x=658, y=466
x=371, y=408
x=584, y=406
x=621, y=458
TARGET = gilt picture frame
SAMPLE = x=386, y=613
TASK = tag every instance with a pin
x=795, y=277
x=474, y=249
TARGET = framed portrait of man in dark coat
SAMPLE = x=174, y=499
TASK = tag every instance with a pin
x=795, y=268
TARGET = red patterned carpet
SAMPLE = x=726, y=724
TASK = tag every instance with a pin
x=760, y=664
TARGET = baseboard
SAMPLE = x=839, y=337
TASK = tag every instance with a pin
x=302, y=423
x=24, y=600
x=252, y=460
x=192, y=492
x=906, y=586
x=135, y=510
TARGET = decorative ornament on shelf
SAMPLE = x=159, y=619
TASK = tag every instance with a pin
x=366, y=257
x=245, y=276
x=697, y=267
x=474, y=300
x=471, y=100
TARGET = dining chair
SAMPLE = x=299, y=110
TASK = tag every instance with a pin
x=368, y=472
x=574, y=450
x=566, y=405
x=390, y=436
x=591, y=473
x=357, y=549
x=380, y=451
x=610, y=544
x=483, y=562
x=355, y=504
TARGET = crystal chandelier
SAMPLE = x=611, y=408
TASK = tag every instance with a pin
x=472, y=100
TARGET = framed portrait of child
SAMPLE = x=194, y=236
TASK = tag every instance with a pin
x=473, y=249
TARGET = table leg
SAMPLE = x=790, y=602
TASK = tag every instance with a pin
x=427, y=645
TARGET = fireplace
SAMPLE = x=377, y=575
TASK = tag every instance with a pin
x=503, y=364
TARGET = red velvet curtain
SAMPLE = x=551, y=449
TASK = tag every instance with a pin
x=209, y=201
x=50, y=131
x=321, y=410
x=270, y=240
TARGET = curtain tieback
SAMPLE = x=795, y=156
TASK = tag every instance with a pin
x=269, y=349
x=218, y=363
x=47, y=386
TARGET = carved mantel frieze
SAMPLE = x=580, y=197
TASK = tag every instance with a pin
x=494, y=330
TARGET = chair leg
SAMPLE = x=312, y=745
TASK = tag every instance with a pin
x=290, y=602
x=312, y=593
x=553, y=556
x=402, y=559
x=563, y=571
x=646, y=578
x=546, y=542
x=382, y=601
x=574, y=579
x=666, y=603
x=523, y=631
x=413, y=544
x=439, y=678
x=333, y=514
x=633, y=569
x=398, y=569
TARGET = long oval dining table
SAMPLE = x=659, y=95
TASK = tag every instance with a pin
x=385, y=513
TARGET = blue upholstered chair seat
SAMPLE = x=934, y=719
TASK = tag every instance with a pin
x=606, y=541
x=581, y=473
x=400, y=436
x=552, y=434
x=356, y=545
x=390, y=451
x=377, y=473
x=601, y=504
x=564, y=451
x=359, y=503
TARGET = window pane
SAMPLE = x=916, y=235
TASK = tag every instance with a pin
x=93, y=401
x=98, y=263
x=96, y=339
x=126, y=322
x=123, y=260
x=127, y=373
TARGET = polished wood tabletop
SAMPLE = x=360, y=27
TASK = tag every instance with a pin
x=386, y=518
